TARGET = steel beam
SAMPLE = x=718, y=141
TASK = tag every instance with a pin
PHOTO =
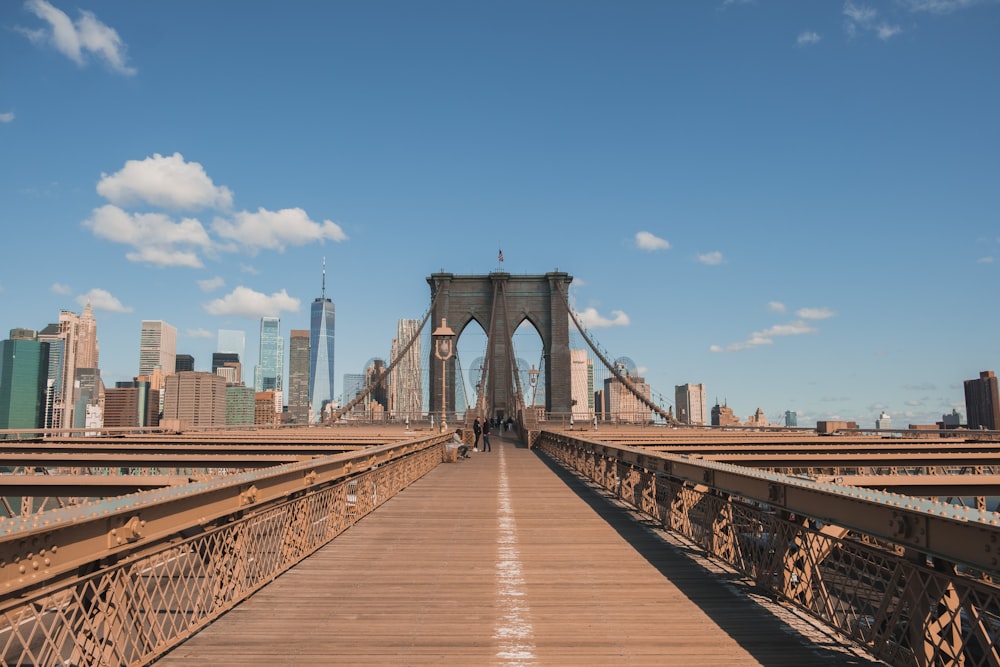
x=37, y=549
x=954, y=533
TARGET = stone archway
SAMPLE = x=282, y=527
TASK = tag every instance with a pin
x=499, y=302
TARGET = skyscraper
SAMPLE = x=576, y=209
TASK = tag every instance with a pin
x=194, y=399
x=621, y=403
x=354, y=385
x=722, y=415
x=581, y=369
x=689, y=400
x=234, y=341
x=271, y=364
x=406, y=393
x=321, y=328
x=157, y=353
x=982, y=402
x=230, y=360
x=298, y=376
x=23, y=374
x=73, y=347
x=157, y=347
x=184, y=362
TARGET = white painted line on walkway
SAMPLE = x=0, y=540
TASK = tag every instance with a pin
x=513, y=632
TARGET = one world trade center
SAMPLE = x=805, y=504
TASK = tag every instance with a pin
x=321, y=328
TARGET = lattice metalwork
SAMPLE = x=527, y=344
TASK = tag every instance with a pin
x=910, y=610
x=130, y=612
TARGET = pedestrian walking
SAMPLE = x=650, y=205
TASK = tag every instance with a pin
x=477, y=430
x=486, y=436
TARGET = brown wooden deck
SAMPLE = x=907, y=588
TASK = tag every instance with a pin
x=506, y=560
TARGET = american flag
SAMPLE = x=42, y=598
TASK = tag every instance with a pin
x=500, y=257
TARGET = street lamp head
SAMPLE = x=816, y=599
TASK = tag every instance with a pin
x=443, y=347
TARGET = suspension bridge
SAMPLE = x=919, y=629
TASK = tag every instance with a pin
x=613, y=541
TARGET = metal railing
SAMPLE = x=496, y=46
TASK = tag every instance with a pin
x=914, y=601
x=124, y=581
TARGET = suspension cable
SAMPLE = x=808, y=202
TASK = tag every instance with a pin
x=388, y=369
x=624, y=379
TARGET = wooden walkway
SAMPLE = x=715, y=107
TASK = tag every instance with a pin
x=506, y=559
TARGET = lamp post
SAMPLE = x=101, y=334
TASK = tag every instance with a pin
x=533, y=383
x=444, y=350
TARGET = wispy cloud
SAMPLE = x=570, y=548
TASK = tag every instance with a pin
x=100, y=299
x=814, y=313
x=808, y=38
x=245, y=302
x=799, y=327
x=591, y=319
x=864, y=18
x=767, y=336
x=859, y=13
x=713, y=258
x=648, y=241
x=776, y=307
x=7, y=117
x=886, y=32
x=985, y=260
x=211, y=284
x=59, y=288
x=199, y=333
x=943, y=6
x=77, y=40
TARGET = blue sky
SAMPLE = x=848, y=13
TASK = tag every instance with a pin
x=794, y=203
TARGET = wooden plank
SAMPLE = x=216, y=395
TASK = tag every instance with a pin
x=505, y=560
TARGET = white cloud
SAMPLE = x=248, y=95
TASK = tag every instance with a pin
x=165, y=257
x=211, y=284
x=156, y=238
x=591, y=319
x=985, y=260
x=199, y=333
x=647, y=241
x=7, y=117
x=174, y=184
x=943, y=6
x=249, y=268
x=713, y=258
x=168, y=182
x=275, y=230
x=100, y=299
x=814, y=313
x=767, y=336
x=859, y=13
x=75, y=40
x=862, y=17
x=245, y=302
x=59, y=288
x=776, y=307
x=887, y=32
x=808, y=38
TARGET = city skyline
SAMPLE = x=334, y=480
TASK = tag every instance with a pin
x=793, y=204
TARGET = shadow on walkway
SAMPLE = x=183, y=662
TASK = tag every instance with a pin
x=730, y=603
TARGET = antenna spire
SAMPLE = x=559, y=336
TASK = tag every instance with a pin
x=323, y=292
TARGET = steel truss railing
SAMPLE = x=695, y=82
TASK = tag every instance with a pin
x=910, y=608
x=151, y=587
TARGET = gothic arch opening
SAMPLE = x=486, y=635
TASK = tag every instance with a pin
x=500, y=303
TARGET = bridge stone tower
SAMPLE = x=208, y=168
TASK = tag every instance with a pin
x=500, y=302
